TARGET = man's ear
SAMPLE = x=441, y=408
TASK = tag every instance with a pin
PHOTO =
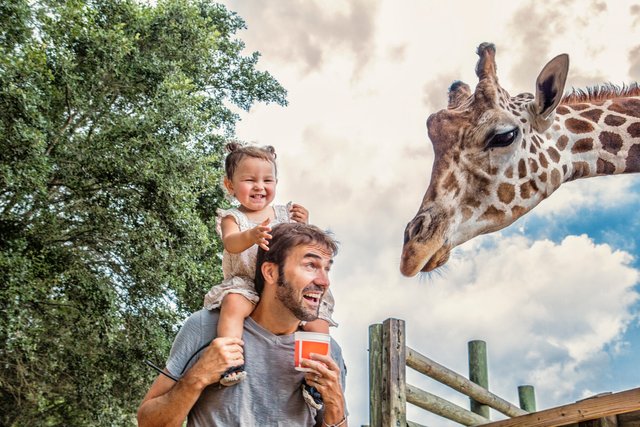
x=269, y=272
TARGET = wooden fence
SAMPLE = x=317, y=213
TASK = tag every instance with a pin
x=389, y=392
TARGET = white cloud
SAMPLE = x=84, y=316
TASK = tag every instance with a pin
x=547, y=312
x=604, y=192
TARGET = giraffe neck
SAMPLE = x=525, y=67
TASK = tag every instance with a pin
x=595, y=139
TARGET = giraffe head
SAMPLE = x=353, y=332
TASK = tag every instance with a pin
x=484, y=143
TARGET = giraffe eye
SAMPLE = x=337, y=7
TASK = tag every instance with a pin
x=502, y=139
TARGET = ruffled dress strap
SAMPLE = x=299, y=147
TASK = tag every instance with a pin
x=241, y=219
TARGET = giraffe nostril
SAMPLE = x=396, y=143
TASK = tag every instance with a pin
x=414, y=228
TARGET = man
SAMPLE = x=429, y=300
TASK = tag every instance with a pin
x=291, y=278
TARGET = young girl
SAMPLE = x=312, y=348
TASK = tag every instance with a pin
x=251, y=177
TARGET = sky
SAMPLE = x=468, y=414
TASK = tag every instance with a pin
x=556, y=295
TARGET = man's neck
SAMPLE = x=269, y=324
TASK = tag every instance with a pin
x=277, y=320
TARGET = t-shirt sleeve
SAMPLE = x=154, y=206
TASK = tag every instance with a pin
x=185, y=345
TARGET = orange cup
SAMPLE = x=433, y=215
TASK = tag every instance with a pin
x=307, y=343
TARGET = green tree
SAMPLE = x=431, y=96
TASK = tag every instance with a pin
x=112, y=119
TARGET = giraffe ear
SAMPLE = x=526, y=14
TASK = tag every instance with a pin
x=550, y=85
x=458, y=92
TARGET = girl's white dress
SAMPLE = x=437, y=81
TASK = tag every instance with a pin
x=239, y=270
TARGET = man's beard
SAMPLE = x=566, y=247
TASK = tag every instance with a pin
x=285, y=293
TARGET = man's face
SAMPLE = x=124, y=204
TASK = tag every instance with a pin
x=306, y=279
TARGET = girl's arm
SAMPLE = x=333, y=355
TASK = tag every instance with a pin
x=236, y=241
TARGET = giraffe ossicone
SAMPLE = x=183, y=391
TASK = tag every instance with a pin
x=498, y=156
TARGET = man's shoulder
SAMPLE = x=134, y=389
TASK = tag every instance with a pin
x=202, y=319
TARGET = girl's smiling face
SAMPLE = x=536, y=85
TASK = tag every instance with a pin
x=253, y=183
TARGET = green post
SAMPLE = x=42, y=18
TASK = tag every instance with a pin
x=479, y=373
x=527, y=397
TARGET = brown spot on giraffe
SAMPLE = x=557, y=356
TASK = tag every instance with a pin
x=611, y=142
x=553, y=154
x=582, y=145
x=533, y=149
x=593, y=115
x=633, y=159
x=556, y=178
x=509, y=172
x=527, y=189
x=518, y=211
x=466, y=213
x=613, y=120
x=565, y=169
x=627, y=106
x=543, y=160
x=634, y=130
x=562, y=110
x=578, y=126
x=506, y=193
x=451, y=184
x=522, y=169
x=533, y=165
x=604, y=167
x=562, y=142
x=580, y=169
x=492, y=214
x=580, y=107
x=474, y=203
x=543, y=177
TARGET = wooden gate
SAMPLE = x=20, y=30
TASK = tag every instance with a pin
x=389, y=392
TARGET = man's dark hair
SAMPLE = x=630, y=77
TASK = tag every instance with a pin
x=285, y=237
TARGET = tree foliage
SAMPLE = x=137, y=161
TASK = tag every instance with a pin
x=112, y=118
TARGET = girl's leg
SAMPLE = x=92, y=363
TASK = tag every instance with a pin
x=234, y=309
x=317, y=325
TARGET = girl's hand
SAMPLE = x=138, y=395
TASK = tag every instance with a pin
x=260, y=234
x=299, y=214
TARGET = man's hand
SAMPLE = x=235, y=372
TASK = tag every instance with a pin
x=299, y=213
x=325, y=377
x=222, y=354
x=167, y=403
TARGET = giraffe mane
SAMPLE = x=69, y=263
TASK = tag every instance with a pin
x=600, y=92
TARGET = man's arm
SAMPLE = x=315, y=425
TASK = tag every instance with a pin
x=168, y=403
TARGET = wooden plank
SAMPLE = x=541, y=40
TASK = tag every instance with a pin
x=443, y=407
x=588, y=409
x=375, y=375
x=394, y=400
x=458, y=382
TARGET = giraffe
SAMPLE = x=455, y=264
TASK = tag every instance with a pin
x=497, y=156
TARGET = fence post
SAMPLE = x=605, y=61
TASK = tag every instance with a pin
x=527, y=397
x=479, y=373
x=394, y=397
x=375, y=375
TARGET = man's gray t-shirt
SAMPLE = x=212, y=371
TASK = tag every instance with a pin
x=269, y=396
